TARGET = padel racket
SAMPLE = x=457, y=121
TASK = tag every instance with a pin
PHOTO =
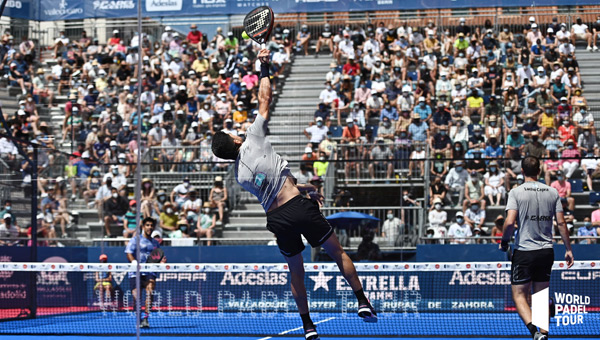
x=259, y=23
x=155, y=256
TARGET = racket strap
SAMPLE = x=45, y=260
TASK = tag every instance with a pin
x=264, y=70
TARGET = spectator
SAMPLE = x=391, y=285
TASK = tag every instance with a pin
x=92, y=185
x=8, y=210
x=386, y=129
x=580, y=31
x=169, y=152
x=129, y=222
x=570, y=159
x=497, y=229
x=551, y=165
x=494, y=184
x=391, y=230
x=351, y=132
x=441, y=143
x=587, y=233
x=514, y=143
x=218, y=197
x=534, y=147
x=320, y=165
x=326, y=38
x=303, y=175
x=191, y=208
x=328, y=96
x=8, y=231
x=207, y=221
x=179, y=193
x=115, y=209
x=475, y=215
x=168, y=219
x=474, y=191
x=437, y=220
x=418, y=129
x=437, y=190
x=589, y=164
x=316, y=133
x=328, y=145
x=459, y=230
x=456, y=179
x=564, y=189
x=303, y=39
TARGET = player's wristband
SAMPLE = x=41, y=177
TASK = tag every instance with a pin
x=504, y=245
x=264, y=70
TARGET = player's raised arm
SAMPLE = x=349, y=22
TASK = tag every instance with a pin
x=264, y=90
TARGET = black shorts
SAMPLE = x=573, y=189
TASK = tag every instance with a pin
x=534, y=265
x=298, y=216
x=144, y=280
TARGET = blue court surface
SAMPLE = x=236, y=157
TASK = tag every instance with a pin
x=253, y=326
x=33, y=337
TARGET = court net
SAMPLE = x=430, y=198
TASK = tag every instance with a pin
x=412, y=299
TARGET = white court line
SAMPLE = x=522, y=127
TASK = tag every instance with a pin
x=298, y=328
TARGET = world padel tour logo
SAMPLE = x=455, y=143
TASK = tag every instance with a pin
x=569, y=308
x=163, y=5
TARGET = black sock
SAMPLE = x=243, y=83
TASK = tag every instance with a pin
x=532, y=329
x=362, y=299
x=306, y=321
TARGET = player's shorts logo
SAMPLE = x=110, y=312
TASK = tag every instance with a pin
x=259, y=179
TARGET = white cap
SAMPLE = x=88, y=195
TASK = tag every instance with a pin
x=421, y=99
x=85, y=154
x=308, y=149
x=221, y=71
x=126, y=123
x=6, y=216
x=101, y=72
x=122, y=155
x=550, y=30
x=531, y=19
x=540, y=69
x=115, y=31
x=167, y=28
x=179, y=112
x=181, y=87
x=205, y=78
x=90, y=86
x=245, y=60
x=236, y=76
x=319, y=119
x=167, y=80
x=21, y=112
x=40, y=216
x=563, y=98
x=194, y=124
x=349, y=120
x=191, y=72
x=462, y=20
x=534, y=25
x=167, y=106
x=154, y=120
x=146, y=58
x=228, y=120
x=113, y=143
x=156, y=233
x=406, y=88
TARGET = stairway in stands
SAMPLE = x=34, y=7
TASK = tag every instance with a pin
x=590, y=75
x=294, y=109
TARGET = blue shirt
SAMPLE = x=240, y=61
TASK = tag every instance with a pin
x=424, y=112
x=83, y=170
x=235, y=89
x=492, y=152
x=418, y=132
x=146, y=247
x=392, y=113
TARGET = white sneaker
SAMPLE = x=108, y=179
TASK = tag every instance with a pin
x=589, y=48
x=595, y=48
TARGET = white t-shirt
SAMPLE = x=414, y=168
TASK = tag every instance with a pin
x=317, y=134
x=391, y=228
x=494, y=180
x=458, y=231
x=579, y=29
x=327, y=96
x=437, y=218
x=476, y=216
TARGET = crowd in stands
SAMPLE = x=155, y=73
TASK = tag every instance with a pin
x=466, y=94
x=478, y=99
x=192, y=85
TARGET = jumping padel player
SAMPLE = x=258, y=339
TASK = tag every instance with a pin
x=290, y=215
x=533, y=206
x=147, y=280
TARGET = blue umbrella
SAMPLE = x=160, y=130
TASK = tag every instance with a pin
x=352, y=219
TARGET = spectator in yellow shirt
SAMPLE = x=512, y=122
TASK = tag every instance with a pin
x=460, y=44
x=320, y=166
x=475, y=103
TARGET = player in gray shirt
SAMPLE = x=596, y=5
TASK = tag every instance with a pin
x=532, y=206
x=290, y=215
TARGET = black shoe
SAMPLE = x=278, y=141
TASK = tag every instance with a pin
x=367, y=313
x=552, y=308
x=540, y=336
x=144, y=323
x=311, y=334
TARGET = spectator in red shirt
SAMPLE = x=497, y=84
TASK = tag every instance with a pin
x=564, y=189
x=567, y=131
x=114, y=40
x=350, y=133
x=352, y=69
x=194, y=36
